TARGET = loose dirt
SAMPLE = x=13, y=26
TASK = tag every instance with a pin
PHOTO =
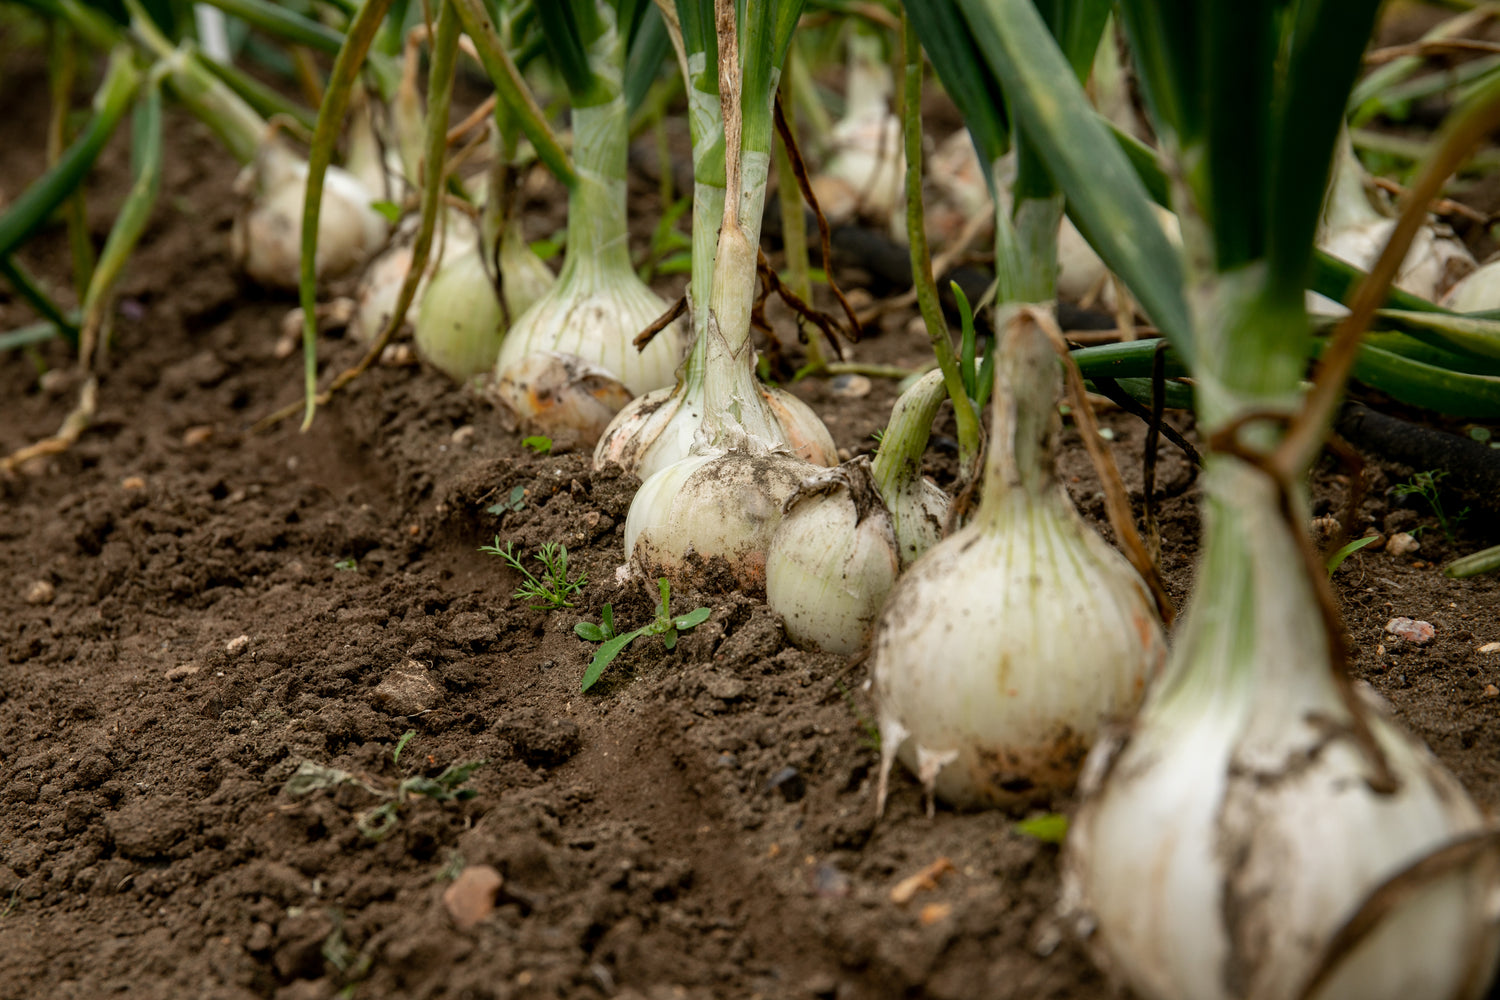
x=190, y=613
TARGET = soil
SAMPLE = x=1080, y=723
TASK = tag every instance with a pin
x=192, y=614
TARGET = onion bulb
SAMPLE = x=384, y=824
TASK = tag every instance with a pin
x=598, y=304
x=380, y=285
x=1257, y=800
x=1353, y=230
x=1478, y=291
x=865, y=173
x=561, y=396
x=848, y=532
x=460, y=326
x=1003, y=650
x=707, y=520
x=266, y=240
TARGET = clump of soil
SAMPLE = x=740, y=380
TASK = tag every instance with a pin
x=193, y=613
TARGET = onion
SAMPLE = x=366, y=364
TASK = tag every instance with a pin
x=460, y=326
x=1004, y=649
x=866, y=167
x=847, y=532
x=266, y=240
x=1221, y=845
x=599, y=304
x=1477, y=291
x=1353, y=230
x=561, y=396
x=707, y=520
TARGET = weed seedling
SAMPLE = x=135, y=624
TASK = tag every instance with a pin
x=1337, y=559
x=377, y=823
x=664, y=625
x=347, y=565
x=512, y=503
x=554, y=589
x=1425, y=485
x=539, y=443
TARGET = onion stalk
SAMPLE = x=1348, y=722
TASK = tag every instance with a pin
x=1004, y=650
x=661, y=427
x=848, y=532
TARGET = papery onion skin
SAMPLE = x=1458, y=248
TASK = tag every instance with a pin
x=562, y=396
x=833, y=560
x=707, y=520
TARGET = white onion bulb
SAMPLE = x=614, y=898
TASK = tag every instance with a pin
x=847, y=532
x=707, y=520
x=266, y=241
x=1354, y=231
x=599, y=304
x=1223, y=843
x=1004, y=649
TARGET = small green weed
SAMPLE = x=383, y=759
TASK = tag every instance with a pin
x=1425, y=485
x=539, y=443
x=553, y=589
x=664, y=625
x=1337, y=559
x=512, y=503
x=377, y=823
x=346, y=565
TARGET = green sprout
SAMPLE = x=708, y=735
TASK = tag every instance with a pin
x=1337, y=559
x=554, y=589
x=1425, y=485
x=539, y=443
x=664, y=625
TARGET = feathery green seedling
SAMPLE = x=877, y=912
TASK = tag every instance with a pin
x=555, y=589
x=664, y=625
x=1425, y=485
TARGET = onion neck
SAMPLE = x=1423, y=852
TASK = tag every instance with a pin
x=598, y=233
x=1023, y=420
x=898, y=460
x=732, y=396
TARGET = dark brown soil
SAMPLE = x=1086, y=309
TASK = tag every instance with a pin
x=225, y=608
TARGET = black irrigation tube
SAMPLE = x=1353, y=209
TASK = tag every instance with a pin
x=1471, y=465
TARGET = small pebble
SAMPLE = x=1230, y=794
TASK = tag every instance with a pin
x=471, y=897
x=398, y=356
x=464, y=435
x=133, y=483
x=849, y=386
x=185, y=670
x=1490, y=691
x=236, y=646
x=40, y=592
x=1490, y=647
x=1417, y=632
x=934, y=912
x=1402, y=544
x=195, y=436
